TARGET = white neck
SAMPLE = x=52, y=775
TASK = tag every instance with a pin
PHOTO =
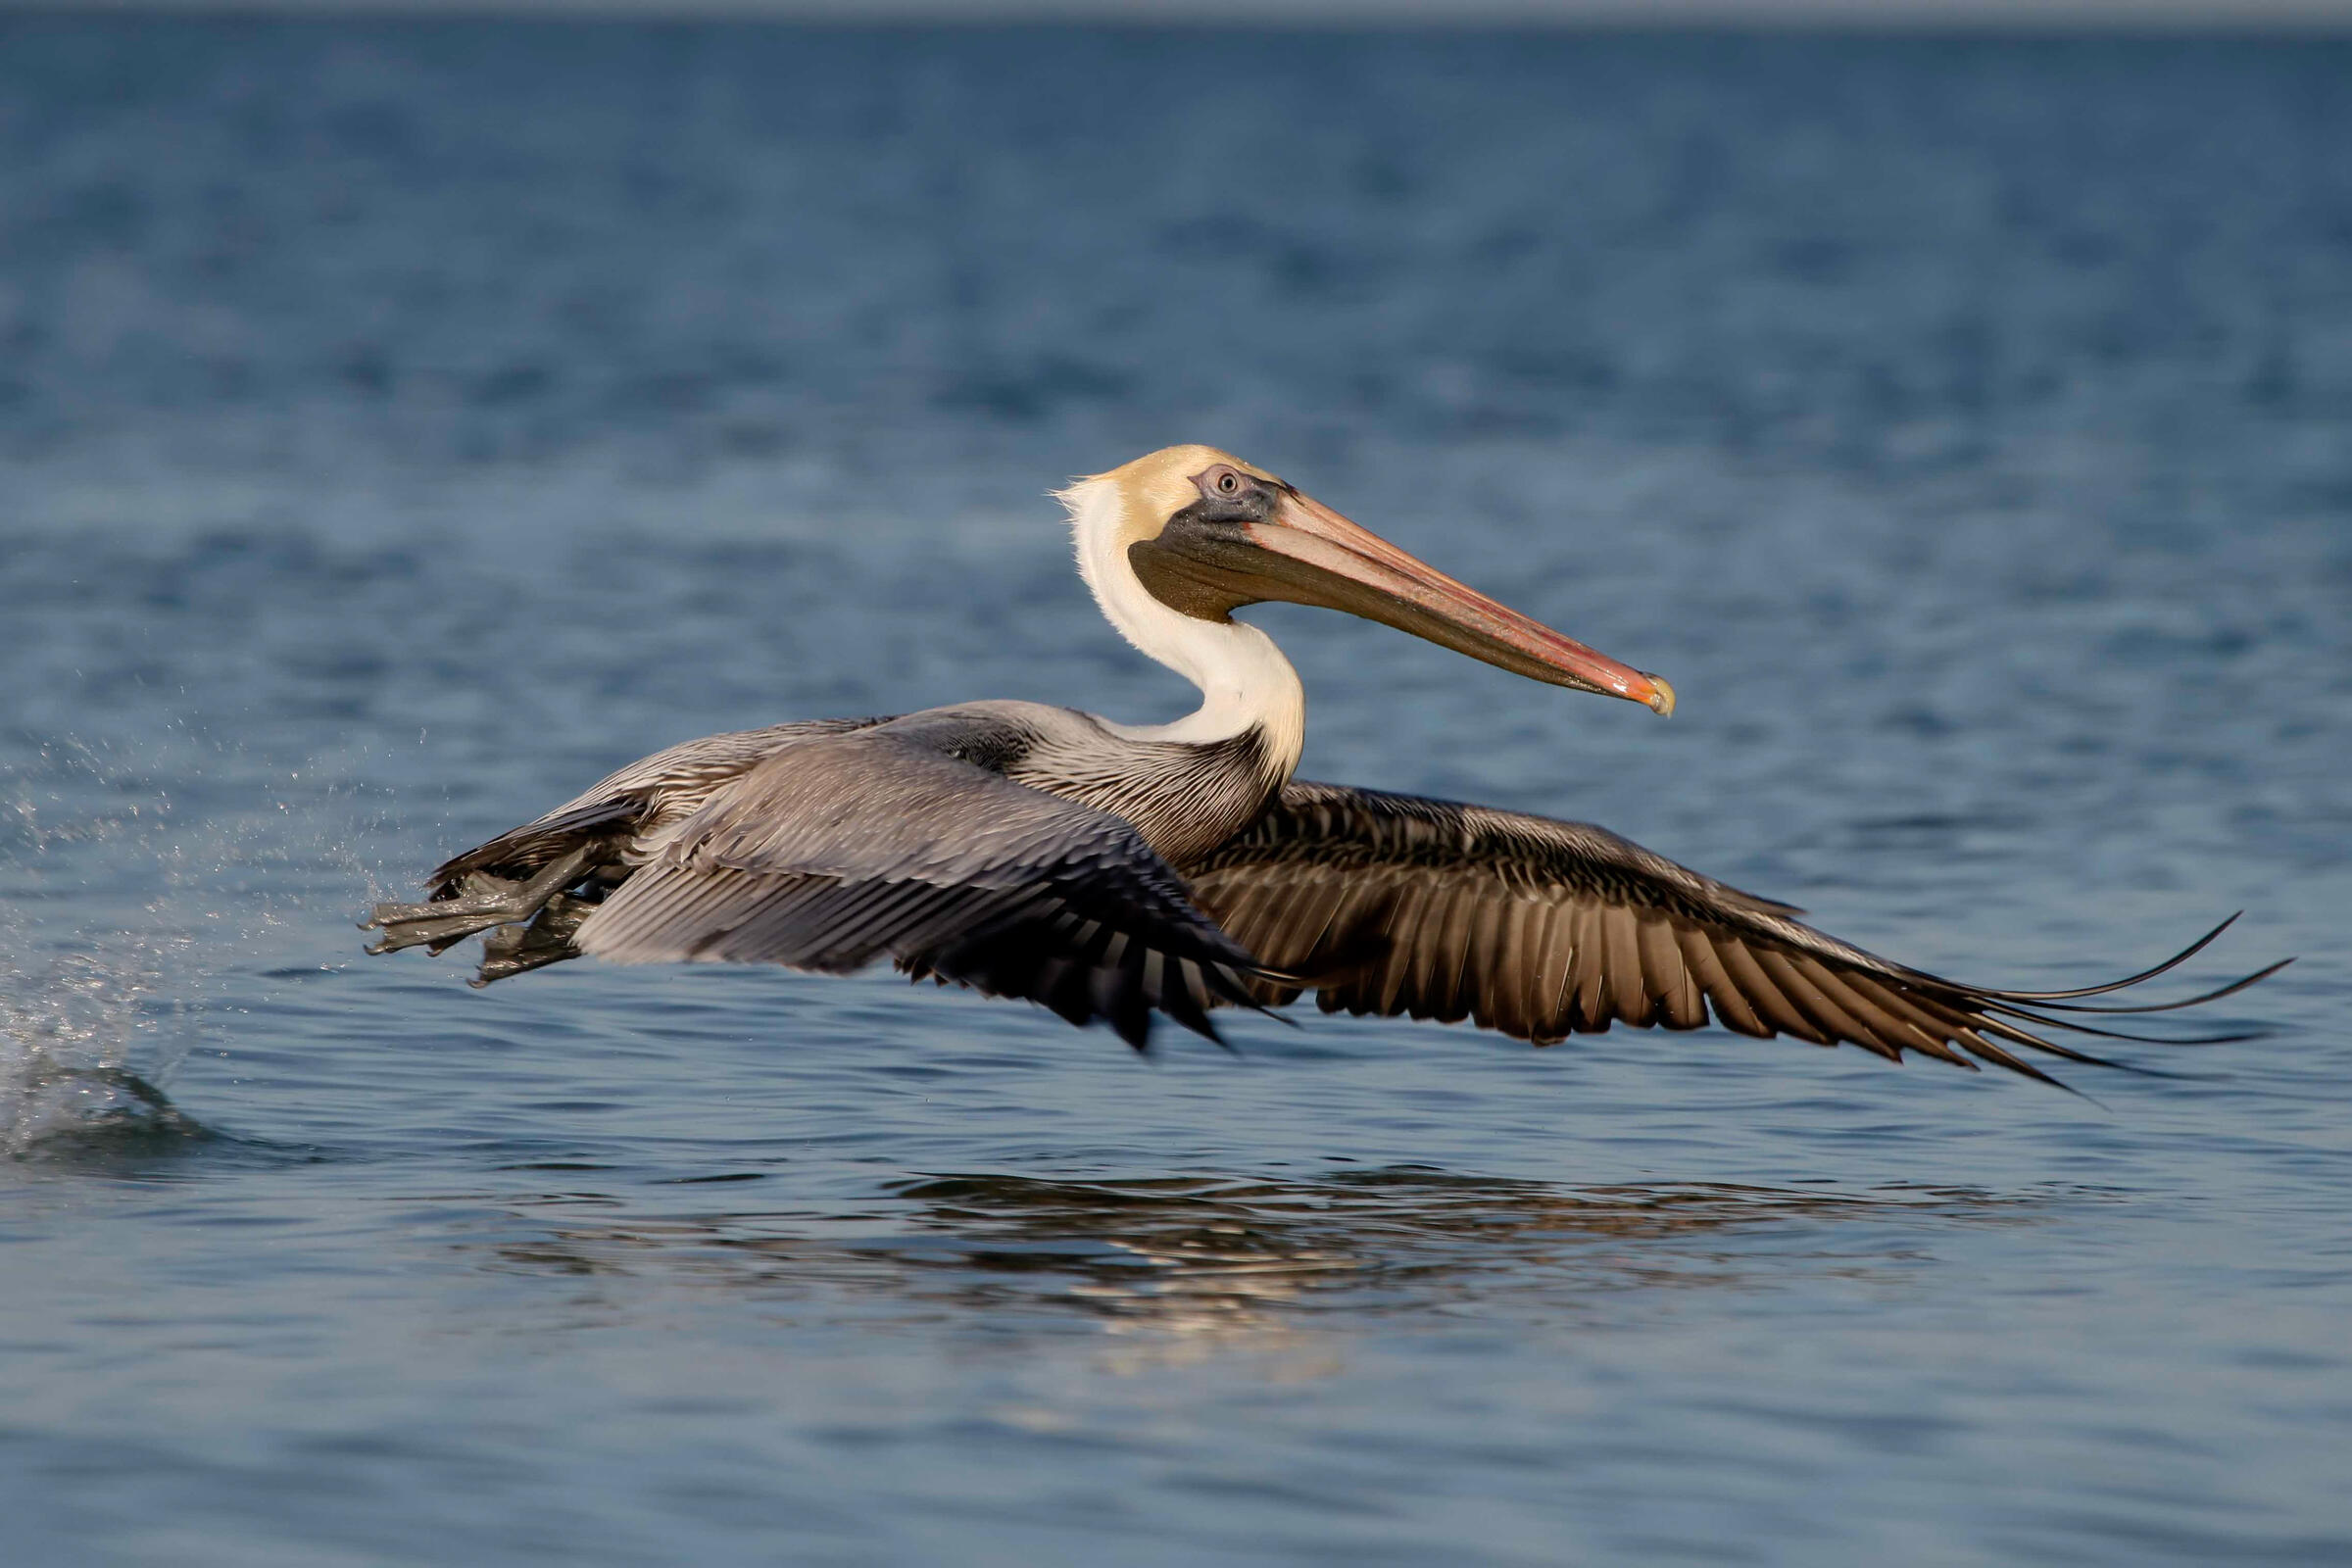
x=1243, y=679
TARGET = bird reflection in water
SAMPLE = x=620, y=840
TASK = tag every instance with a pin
x=1211, y=1260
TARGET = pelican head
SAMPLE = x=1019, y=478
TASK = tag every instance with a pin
x=1205, y=533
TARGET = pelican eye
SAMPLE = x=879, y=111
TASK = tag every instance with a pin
x=1226, y=482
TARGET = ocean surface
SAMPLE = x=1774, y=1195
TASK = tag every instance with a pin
x=400, y=425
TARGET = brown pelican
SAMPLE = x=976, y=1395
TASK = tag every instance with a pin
x=1112, y=871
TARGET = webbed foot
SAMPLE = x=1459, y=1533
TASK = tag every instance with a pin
x=483, y=901
x=514, y=949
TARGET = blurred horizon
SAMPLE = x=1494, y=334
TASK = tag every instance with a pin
x=1857, y=15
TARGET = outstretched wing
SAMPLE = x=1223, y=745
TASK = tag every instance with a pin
x=1389, y=903
x=837, y=851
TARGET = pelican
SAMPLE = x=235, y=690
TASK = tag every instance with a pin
x=1114, y=872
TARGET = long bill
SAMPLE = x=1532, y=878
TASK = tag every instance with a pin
x=1307, y=554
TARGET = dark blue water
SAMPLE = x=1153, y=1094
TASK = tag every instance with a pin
x=400, y=425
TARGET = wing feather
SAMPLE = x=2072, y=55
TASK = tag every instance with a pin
x=1621, y=967
x=844, y=850
x=1503, y=960
x=1763, y=993
x=1732, y=1009
x=630, y=800
x=1387, y=904
x=1667, y=982
x=1593, y=997
x=1547, y=995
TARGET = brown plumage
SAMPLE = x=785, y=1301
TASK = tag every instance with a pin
x=1116, y=873
x=1538, y=929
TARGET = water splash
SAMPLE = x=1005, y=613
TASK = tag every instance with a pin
x=58, y=1109
x=121, y=926
x=83, y=998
